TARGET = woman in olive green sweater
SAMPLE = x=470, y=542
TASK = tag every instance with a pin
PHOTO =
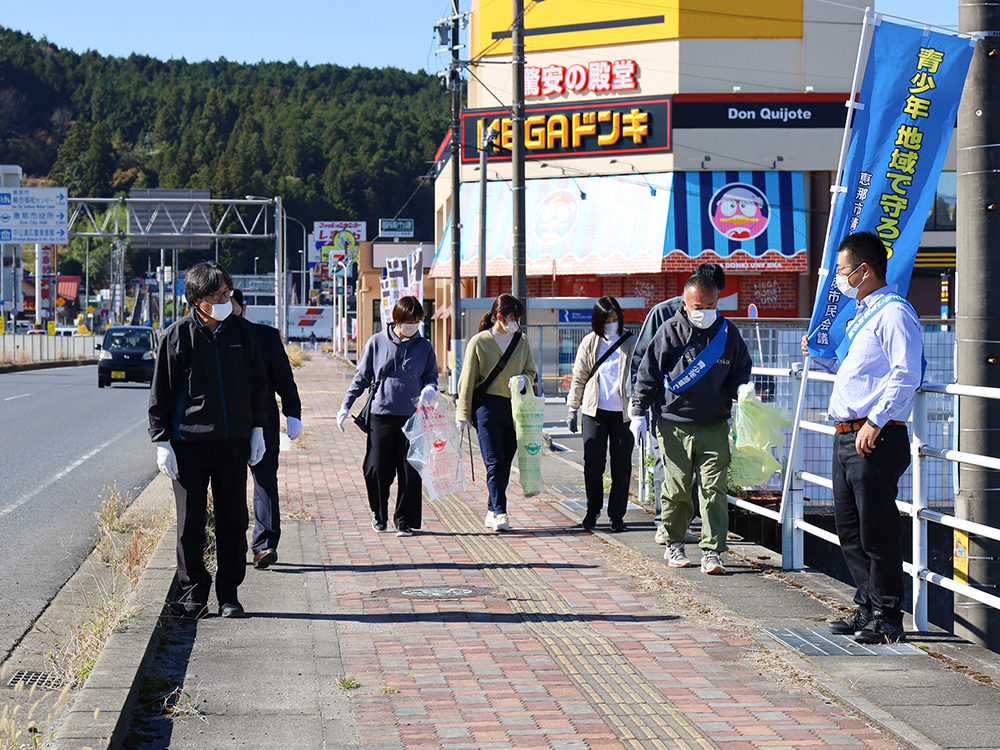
x=491, y=410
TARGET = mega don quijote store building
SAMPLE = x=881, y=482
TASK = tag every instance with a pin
x=660, y=135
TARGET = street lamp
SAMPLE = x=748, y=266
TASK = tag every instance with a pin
x=256, y=258
x=303, y=297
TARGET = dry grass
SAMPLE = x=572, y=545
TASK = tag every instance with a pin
x=294, y=508
x=297, y=355
x=25, y=720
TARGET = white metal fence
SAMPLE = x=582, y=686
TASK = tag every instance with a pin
x=22, y=348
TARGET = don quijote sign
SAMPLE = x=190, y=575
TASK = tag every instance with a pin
x=621, y=126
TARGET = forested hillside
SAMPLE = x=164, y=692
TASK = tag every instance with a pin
x=334, y=142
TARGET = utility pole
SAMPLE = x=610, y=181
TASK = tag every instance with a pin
x=978, y=313
x=485, y=144
x=455, y=85
x=519, y=278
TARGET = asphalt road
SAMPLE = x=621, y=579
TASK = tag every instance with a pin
x=63, y=444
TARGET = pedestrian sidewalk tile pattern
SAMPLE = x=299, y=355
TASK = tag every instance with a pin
x=555, y=648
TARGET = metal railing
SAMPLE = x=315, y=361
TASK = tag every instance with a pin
x=795, y=527
x=22, y=348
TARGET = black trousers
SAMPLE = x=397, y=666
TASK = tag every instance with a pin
x=224, y=464
x=385, y=460
x=864, y=501
x=498, y=442
x=267, y=517
x=601, y=433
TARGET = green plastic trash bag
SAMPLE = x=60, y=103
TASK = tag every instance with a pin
x=529, y=416
x=757, y=428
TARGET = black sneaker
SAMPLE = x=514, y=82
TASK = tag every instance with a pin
x=589, y=522
x=618, y=526
x=404, y=529
x=231, y=610
x=190, y=610
x=377, y=524
x=881, y=629
x=849, y=625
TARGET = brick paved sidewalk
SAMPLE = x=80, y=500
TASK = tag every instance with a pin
x=551, y=638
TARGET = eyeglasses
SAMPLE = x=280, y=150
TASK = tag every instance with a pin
x=219, y=297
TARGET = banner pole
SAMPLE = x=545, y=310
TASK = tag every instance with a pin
x=836, y=190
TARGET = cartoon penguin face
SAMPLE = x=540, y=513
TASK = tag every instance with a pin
x=739, y=211
x=555, y=217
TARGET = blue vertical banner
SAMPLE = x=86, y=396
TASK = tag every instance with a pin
x=902, y=125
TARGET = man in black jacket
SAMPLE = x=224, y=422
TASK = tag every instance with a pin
x=694, y=367
x=267, y=515
x=207, y=413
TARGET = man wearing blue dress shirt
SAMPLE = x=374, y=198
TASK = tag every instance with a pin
x=879, y=369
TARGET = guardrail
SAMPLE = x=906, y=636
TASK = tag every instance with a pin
x=20, y=348
x=795, y=527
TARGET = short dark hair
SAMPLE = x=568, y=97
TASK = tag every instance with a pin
x=866, y=247
x=713, y=271
x=407, y=310
x=507, y=305
x=238, y=296
x=603, y=309
x=204, y=279
x=702, y=282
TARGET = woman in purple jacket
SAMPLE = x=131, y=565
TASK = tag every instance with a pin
x=401, y=366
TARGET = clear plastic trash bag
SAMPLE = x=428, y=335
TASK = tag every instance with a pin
x=435, y=450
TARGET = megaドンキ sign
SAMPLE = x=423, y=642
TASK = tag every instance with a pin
x=622, y=126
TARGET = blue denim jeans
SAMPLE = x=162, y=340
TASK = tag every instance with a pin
x=498, y=442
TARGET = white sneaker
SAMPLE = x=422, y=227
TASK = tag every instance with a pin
x=712, y=564
x=675, y=557
x=501, y=523
x=660, y=537
x=490, y=521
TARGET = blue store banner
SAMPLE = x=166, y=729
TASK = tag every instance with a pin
x=909, y=99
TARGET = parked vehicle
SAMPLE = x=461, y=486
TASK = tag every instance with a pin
x=127, y=355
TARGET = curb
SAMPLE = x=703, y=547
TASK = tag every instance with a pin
x=46, y=365
x=102, y=712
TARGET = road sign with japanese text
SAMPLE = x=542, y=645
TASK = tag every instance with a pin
x=34, y=215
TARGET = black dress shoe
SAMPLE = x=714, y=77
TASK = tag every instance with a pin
x=377, y=524
x=232, y=610
x=589, y=522
x=265, y=558
x=881, y=629
x=849, y=625
x=618, y=526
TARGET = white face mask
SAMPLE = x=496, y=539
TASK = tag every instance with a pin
x=702, y=318
x=611, y=329
x=843, y=282
x=220, y=312
x=408, y=329
x=510, y=327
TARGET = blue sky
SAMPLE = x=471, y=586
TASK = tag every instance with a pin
x=375, y=33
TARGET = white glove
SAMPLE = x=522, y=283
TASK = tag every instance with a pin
x=745, y=391
x=256, y=446
x=166, y=459
x=342, y=417
x=638, y=428
x=427, y=395
x=463, y=426
x=518, y=383
x=294, y=427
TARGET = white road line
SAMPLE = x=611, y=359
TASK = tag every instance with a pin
x=11, y=398
x=49, y=482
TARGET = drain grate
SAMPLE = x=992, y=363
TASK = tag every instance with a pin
x=43, y=680
x=434, y=592
x=811, y=643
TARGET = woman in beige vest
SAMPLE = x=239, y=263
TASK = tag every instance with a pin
x=599, y=390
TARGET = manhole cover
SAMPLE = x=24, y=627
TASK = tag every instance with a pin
x=812, y=643
x=43, y=680
x=434, y=592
